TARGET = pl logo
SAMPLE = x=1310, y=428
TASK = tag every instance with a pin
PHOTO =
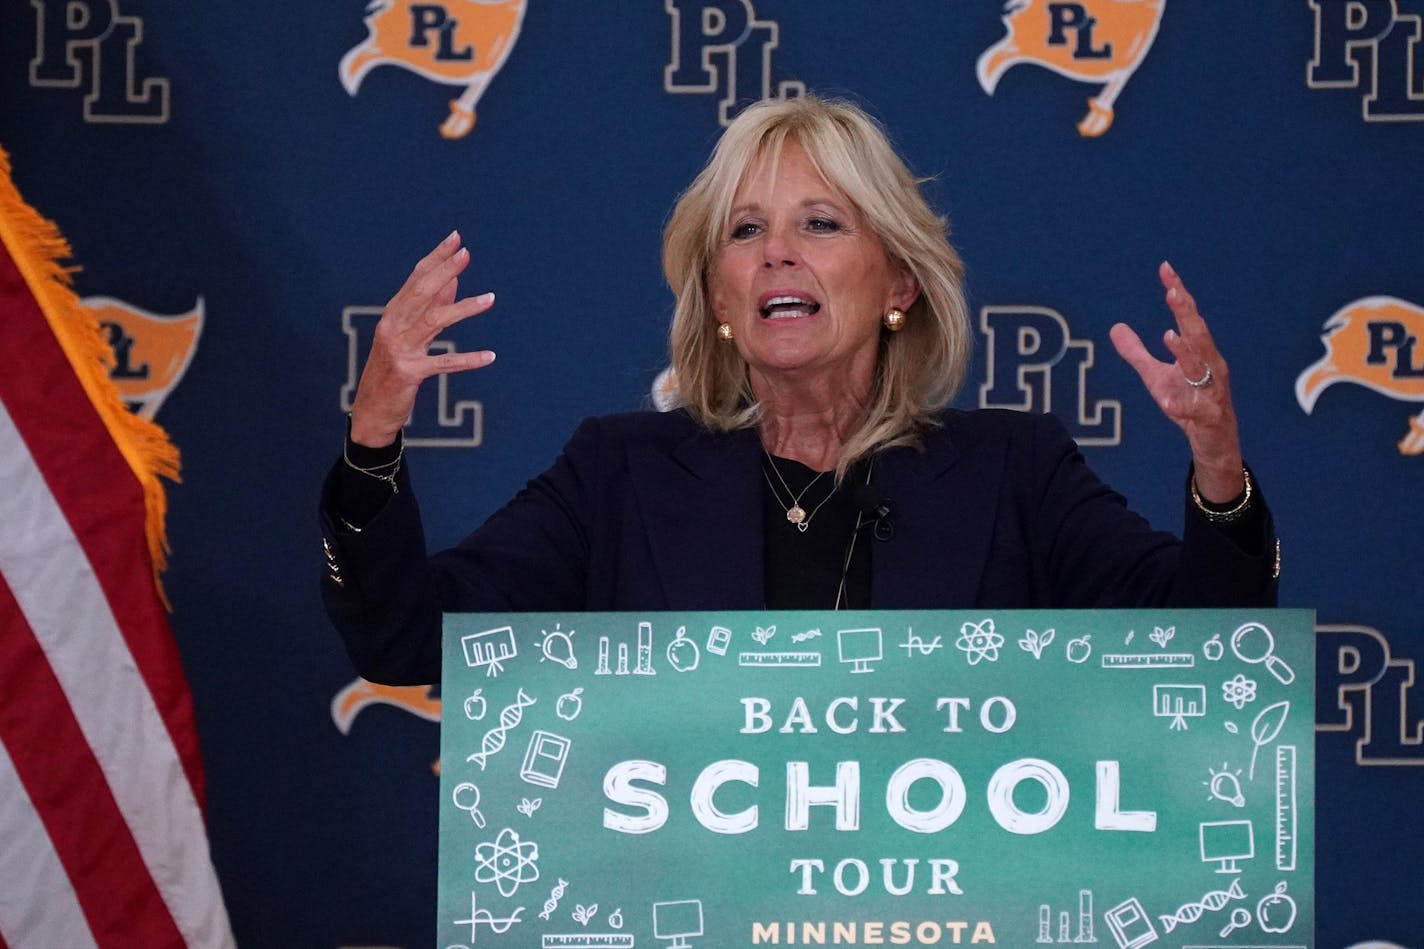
x=152, y=351
x=440, y=419
x=1095, y=41
x=1035, y=365
x=1371, y=42
x=719, y=47
x=1378, y=343
x=456, y=42
x=1364, y=690
x=89, y=44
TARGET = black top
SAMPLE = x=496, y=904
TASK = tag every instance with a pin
x=804, y=568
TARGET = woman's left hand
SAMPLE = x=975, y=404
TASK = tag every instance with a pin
x=1193, y=390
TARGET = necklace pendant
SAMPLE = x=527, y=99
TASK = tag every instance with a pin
x=796, y=515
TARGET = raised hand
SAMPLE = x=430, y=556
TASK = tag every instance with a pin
x=400, y=358
x=1192, y=390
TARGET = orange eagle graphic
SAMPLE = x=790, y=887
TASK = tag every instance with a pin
x=1378, y=343
x=419, y=700
x=1097, y=41
x=152, y=350
x=455, y=42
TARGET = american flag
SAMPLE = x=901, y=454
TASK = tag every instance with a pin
x=102, y=837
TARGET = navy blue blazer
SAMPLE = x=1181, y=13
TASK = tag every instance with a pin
x=650, y=511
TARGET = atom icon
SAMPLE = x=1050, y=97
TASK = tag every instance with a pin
x=1239, y=691
x=979, y=641
x=507, y=862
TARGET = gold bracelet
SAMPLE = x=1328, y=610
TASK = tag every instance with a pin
x=389, y=477
x=1230, y=514
x=383, y=472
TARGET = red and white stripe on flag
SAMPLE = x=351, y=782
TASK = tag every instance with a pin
x=104, y=842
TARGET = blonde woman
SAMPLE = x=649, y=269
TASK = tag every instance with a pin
x=819, y=333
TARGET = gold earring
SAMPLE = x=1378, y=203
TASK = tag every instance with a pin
x=894, y=319
x=724, y=332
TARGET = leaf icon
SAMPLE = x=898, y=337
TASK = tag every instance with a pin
x=1264, y=729
x=1034, y=642
x=1162, y=636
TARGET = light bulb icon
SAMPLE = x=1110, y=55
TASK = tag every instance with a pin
x=558, y=646
x=1226, y=786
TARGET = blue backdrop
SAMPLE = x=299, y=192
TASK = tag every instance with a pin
x=272, y=171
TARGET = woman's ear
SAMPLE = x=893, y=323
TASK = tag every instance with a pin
x=906, y=289
x=715, y=300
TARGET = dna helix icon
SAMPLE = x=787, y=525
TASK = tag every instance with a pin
x=1214, y=901
x=509, y=717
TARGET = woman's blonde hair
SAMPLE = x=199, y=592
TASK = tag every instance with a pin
x=919, y=369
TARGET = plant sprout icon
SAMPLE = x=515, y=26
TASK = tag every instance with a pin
x=1226, y=786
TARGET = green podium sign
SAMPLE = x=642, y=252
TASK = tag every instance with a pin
x=878, y=778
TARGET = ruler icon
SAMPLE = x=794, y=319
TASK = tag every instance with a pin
x=588, y=941
x=1149, y=660
x=772, y=660
x=1287, y=814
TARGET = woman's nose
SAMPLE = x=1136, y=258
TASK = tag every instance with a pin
x=779, y=248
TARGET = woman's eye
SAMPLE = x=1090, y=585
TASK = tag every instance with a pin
x=744, y=230
x=823, y=224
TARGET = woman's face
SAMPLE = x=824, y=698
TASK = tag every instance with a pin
x=801, y=278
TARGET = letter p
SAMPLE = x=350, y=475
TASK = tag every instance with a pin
x=1024, y=344
x=424, y=19
x=60, y=27
x=1340, y=27
x=1063, y=17
x=1347, y=659
x=699, y=29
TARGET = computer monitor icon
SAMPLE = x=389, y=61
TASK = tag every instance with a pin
x=677, y=920
x=860, y=647
x=1226, y=842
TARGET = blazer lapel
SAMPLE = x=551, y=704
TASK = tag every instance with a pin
x=942, y=503
x=701, y=509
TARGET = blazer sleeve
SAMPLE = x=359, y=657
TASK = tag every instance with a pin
x=1099, y=553
x=386, y=595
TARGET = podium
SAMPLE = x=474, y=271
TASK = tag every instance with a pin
x=864, y=778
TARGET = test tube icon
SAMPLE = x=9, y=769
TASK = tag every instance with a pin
x=645, y=651
x=622, y=656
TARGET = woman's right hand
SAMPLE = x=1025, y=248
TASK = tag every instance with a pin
x=400, y=358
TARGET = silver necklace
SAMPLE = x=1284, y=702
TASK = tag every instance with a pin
x=796, y=514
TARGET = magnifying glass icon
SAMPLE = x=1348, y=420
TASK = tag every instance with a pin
x=1239, y=919
x=473, y=806
x=1254, y=643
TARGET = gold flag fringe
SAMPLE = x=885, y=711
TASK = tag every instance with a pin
x=37, y=247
